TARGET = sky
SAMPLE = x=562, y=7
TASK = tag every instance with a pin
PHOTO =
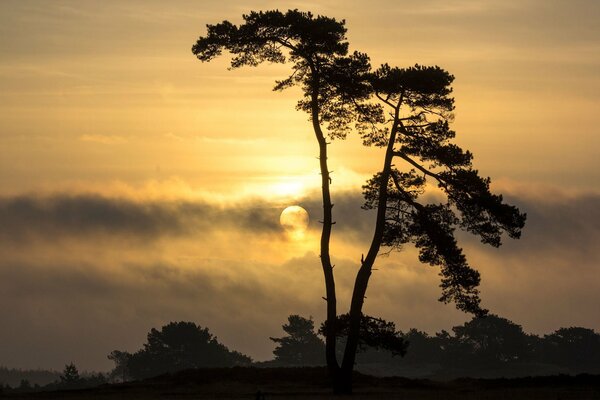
x=139, y=186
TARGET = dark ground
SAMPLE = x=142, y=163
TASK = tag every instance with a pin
x=312, y=383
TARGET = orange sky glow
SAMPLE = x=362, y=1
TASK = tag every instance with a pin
x=140, y=186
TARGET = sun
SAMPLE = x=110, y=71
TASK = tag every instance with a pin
x=294, y=220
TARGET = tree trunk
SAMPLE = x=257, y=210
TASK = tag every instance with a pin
x=342, y=381
x=330, y=337
x=364, y=273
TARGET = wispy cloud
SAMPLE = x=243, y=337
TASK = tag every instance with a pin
x=103, y=139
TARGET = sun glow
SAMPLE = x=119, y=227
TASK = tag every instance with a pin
x=294, y=220
x=288, y=188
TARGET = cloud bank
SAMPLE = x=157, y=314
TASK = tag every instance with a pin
x=84, y=274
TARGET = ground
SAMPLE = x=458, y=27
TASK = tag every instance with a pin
x=312, y=383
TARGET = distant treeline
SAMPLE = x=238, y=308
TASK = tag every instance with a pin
x=13, y=376
x=483, y=347
x=23, y=381
x=489, y=347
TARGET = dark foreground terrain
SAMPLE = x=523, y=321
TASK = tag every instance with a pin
x=312, y=383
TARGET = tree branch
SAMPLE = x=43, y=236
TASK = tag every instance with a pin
x=386, y=101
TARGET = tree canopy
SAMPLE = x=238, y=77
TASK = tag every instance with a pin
x=177, y=346
x=301, y=345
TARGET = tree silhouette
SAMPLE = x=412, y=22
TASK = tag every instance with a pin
x=490, y=340
x=375, y=333
x=341, y=92
x=317, y=49
x=301, y=346
x=70, y=375
x=178, y=346
x=576, y=348
x=121, y=360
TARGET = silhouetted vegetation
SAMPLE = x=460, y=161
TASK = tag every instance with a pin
x=69, y=379
x=121, y=370
x=317, y=49
x=408, y=112
x=301, y=346
x=12, y=377
x=488, y=347
x=176, y=346
x=375, y=334
x=485, y=347
x=70, y=376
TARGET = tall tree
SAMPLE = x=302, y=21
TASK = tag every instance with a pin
x=317, y=48
x=417, y=132
x=340, y=92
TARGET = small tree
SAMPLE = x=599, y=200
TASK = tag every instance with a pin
x=301, y=346
x=70, y=376
x=121, y=369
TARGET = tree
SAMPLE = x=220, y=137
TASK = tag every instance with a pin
x=422, y=348
x=178, y=346
x=121, y=360
x=317, y=49
x=575, y=348
x=490, y=340
x=342, y=92
x=418, y=133
x=301, y=346
x=70, y=377
x=375, y=334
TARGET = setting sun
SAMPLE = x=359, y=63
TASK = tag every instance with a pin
x=294, y=220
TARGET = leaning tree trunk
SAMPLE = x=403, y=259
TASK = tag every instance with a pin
x=364, y=273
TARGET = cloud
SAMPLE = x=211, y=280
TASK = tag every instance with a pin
x=29, y=217
x=70, y=296
x=102, y=139
x=571, y=223
x=350, y=219
x=556, y=221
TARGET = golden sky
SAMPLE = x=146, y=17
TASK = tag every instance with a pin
x=140, y=186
